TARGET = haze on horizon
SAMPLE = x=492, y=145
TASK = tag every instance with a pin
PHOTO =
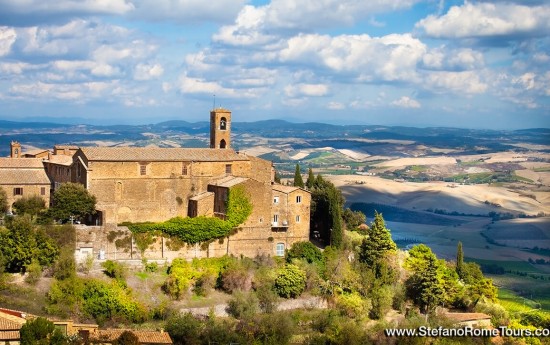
x=467, y=64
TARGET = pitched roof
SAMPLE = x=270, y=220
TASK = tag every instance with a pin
x=228, y=181
x=61, y=159
x=30, y=163
x=23, y=177
x=11, y=320
x=286, y=189
x=144, y=337
x=157, y=154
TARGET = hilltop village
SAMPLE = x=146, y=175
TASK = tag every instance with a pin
x=150, y=184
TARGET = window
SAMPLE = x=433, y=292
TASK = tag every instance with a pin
x=223, y=124
x=275, y=219
x=261, y=220
x=42, y=190
x=280, y=249
x=223, y=144
x=143, y=169
x=18, y=191
x=228, y=168
x=298, y=199
x=184, y=169
x=297, y=219
x=275, y=199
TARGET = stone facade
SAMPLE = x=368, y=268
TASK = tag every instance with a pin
x=141, y=184
x=23, y=177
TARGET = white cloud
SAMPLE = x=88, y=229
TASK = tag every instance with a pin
x=148, y=72
x=7, y=38
x=265, y=24
x=452, y=59
x=13, y=67
x=467, y=82
x=477, y=20
x=406, y=102
x=392, y=57
x=312, y=90
x=202, y=86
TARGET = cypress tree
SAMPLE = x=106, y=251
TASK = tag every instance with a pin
x=298, y=181
x=459, y=260
x=378, y=243
x=310, y=179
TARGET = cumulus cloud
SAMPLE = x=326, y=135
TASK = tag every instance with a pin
x=191, y=85
x=336, y=106
x=452, y=59
x=148, y=72
x=311, y=90
x=406, y=102
x=482, y=20
x=467, y=82
x=265, y=24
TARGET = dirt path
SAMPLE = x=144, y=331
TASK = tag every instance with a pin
x=299, y=303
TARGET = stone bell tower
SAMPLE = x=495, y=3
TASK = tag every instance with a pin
x=15, y=149
x=220, y=129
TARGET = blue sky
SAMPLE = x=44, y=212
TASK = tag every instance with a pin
x=474, y=64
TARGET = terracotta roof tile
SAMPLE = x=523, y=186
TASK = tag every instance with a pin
x=61, y=159
x=144, y=337
x=9, y=335
x=156, y=154
x=7, y=163
x=23, y=177
x=286, y=189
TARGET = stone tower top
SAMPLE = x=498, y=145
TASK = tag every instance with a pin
x=220, y=128
x=15, y=149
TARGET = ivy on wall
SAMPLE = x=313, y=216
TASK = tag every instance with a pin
x=202, y=229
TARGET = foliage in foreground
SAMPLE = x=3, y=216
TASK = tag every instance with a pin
x=72, y=200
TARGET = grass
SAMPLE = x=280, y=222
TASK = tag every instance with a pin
x=419, y=168
x=526, y=290
x=543, y=169
x=521, y=266
x=514, y=303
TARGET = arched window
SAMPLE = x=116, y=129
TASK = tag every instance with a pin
x=222, y=144
x=223, y=124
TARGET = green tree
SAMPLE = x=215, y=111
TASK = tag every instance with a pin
x=310, y=179
x=4, y=207
x=304, y=250
x=353, y=218
x=326, y=211
x=40, y=331
x=290, y=281
x=460, y=260
x=72, y=200
x=31, y=205
x=298, y=181
x=378, y=243
x=23, y=242
x=184, y=329
x=425, y=288
x=277, y=177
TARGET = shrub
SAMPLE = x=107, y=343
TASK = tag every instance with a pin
x=184, y=329
x=352, y=305
x=237, y=277
x=243, y=305
x=267, y=299
x=114, y=270
x=304, y=250
x=127, y=338
x=290, y=281
x=65, y=266
x=34, y=273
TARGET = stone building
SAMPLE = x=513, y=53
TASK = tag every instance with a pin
x=23, y=177
x=139, y=184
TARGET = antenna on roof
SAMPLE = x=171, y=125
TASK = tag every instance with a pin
x=214, y=108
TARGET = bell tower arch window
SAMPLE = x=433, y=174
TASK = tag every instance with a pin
x=222, y=144
x=223, y=124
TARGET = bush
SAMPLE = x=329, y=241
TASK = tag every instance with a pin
x=290, y=281
x=352, y=305
x=40, y=331
x=34, y=273
x=267, y=299
x=184, y=329
x=304, y=250
x=114, y=270
x=237, y=277
x=243, y=305
x=65, y=266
